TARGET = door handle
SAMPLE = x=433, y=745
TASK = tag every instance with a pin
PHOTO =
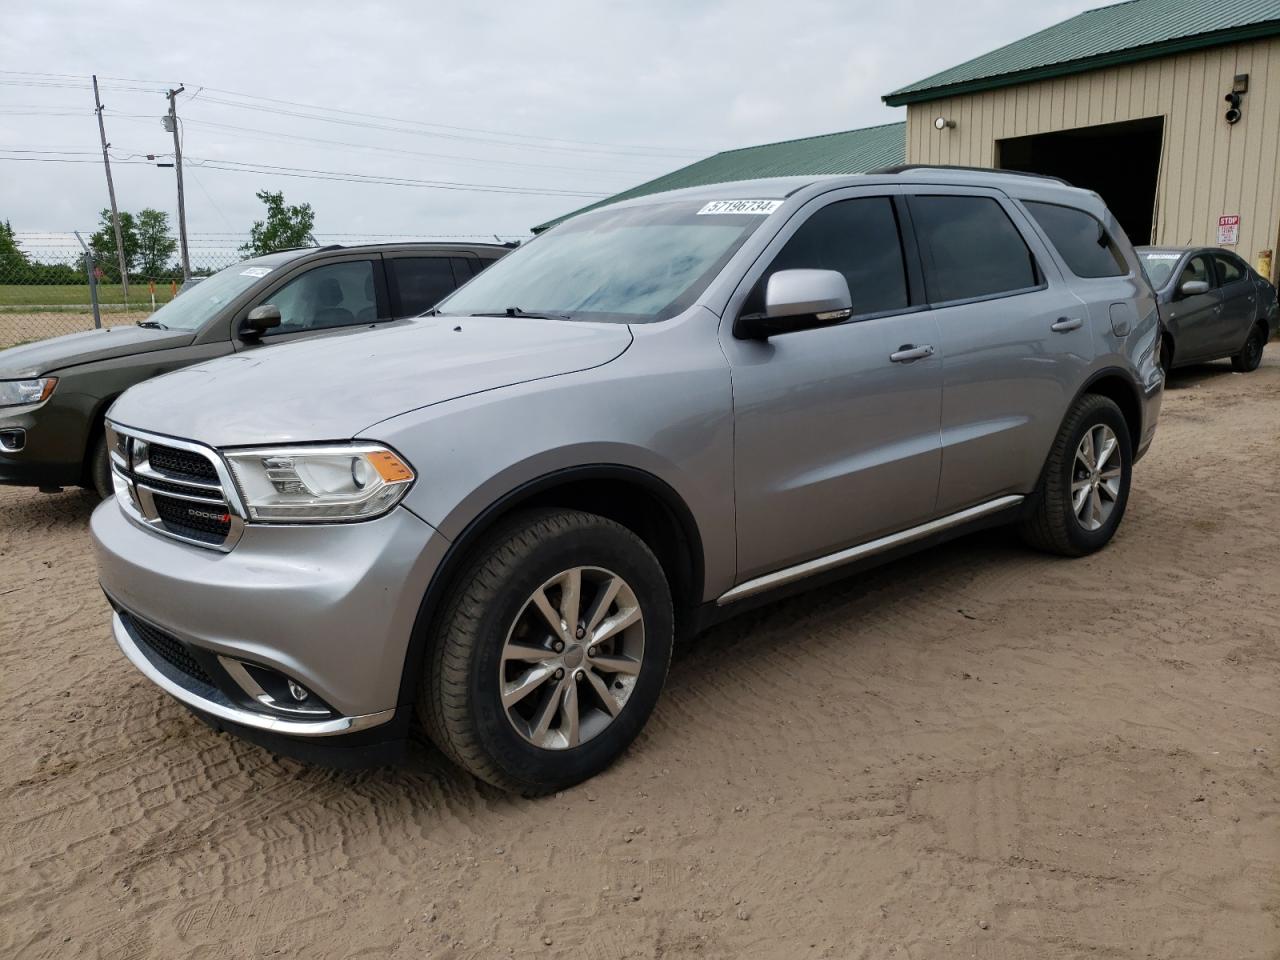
x=1066, y=324
x=909, y=352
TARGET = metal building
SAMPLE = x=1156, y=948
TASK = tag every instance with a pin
x=1168, y=108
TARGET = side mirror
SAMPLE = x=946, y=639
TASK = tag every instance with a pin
x=798, y=300
x=1194, y=288
x=260, y=320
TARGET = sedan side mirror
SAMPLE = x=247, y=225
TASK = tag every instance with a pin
x=1194, y=288
x=260, y=320
x=798, y=300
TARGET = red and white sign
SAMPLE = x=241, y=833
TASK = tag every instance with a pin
x=1228, y=231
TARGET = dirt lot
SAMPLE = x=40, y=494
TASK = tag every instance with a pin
x=981, y=752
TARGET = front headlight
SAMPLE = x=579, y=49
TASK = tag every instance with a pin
x=320, y=484
x=22, y=393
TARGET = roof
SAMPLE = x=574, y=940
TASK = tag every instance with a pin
x=1103, y=37
x=852, y=151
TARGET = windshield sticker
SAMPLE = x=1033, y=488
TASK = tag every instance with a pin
x=255, y=272
x=752, y=207
x=1162, y=256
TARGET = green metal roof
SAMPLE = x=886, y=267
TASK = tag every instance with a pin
x=853, y=151
x=1107, y=36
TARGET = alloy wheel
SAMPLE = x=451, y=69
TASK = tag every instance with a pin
x=571, y=658
x=1095, y=477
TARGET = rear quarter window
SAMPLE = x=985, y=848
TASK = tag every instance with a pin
x=1080, y=239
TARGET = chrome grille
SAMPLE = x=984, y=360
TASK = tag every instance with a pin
x=175, y=488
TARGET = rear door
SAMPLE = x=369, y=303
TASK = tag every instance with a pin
x=1239, y=303
x=1193, y=319
x=1015, y=341
x=835, y=443
x=419, y=281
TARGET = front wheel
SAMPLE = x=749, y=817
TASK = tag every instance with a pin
x=550, y=652
x=1250, y=355
x=1082, y=493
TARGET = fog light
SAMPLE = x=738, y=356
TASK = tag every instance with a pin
x=298, y=691
x=12, y=441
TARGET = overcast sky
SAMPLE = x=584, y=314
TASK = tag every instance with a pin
x=559, y=102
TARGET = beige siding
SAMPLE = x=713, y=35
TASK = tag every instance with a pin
x=1207, y=167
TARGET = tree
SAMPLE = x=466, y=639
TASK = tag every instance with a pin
x=103, y=245
x=155, y=245
x=14, y=266
x=285, y=227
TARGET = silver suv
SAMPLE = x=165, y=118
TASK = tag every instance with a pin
x=492, y=524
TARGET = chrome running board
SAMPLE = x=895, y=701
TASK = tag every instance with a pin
x=832, y=560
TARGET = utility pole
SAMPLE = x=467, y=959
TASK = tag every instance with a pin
x=171, y=123
x=111, y=192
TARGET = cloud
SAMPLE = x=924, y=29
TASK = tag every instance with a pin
x=676, y=79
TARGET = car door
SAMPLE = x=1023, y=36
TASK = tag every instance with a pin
x=1192, y=319
x=321, y=297
x=835, y=443
x=1016, y=342
x=1239, y=304
x=417, y=282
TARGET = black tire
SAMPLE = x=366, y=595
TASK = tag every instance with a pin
x=460, y=700
x=1250, y=355
x=98, y=476
x=1050, y=522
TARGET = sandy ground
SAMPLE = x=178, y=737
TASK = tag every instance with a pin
x=980, y=752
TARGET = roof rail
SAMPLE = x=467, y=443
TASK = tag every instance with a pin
x=905, y=167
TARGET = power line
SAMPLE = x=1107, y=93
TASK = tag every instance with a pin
x=441, y=134
x=306, y=173
x=444, y=126
x=310, y=173
x=277, y=136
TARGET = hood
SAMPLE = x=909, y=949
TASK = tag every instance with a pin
x=49, y=356
x=332, y=388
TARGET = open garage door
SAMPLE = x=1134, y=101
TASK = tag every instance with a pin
x=1121, y=161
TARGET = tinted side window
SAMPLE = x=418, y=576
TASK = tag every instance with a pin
x=1080, y=240
x=971, y=248
x=422, y=281
x=1228, y=270
x=859, y=238
x=333, y=295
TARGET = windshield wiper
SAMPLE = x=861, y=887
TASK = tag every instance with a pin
x=517, y=312
x=152, y=324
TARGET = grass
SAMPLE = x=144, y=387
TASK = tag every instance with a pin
x=76, y=295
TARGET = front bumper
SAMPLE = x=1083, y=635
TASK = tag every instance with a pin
x=329, y=606
x=52, y=449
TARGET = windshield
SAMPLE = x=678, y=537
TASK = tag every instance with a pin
x=1159, y=266
x=197, y=303
x=629, y=265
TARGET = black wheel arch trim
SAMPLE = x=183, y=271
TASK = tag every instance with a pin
x=460, y=548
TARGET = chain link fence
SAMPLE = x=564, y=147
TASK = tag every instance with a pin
x=46, y=289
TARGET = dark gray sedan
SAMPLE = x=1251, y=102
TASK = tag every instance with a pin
x=1212, y=305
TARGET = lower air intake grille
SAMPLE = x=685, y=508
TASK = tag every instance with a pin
x=169, y=649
